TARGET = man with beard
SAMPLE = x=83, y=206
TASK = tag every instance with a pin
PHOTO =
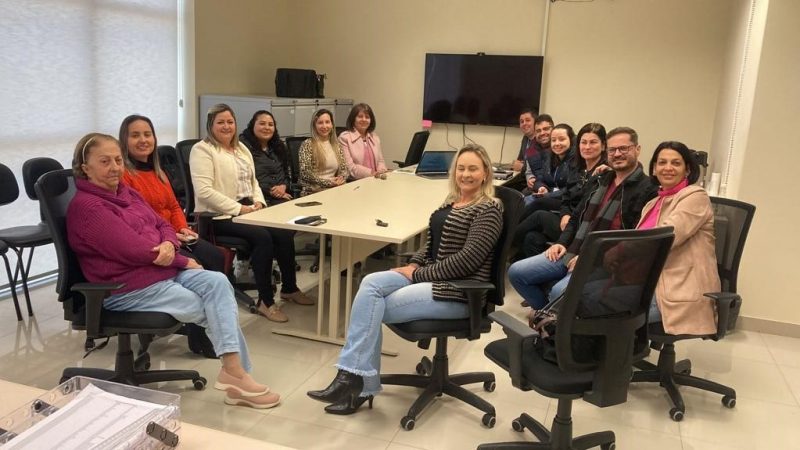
x=615, y=203
x=535, y=140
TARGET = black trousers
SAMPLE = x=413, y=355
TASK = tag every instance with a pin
x=206, y=254
x=534, y=232
x=265, y=244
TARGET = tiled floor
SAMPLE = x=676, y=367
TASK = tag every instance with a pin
x=765, y=370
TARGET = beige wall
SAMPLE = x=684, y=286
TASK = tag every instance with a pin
x=769, y=267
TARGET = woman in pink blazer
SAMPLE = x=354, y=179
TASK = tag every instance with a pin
x=360, y=145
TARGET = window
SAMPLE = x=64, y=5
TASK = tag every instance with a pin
x=71, y=67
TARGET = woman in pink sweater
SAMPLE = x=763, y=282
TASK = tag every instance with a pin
x=117, y=237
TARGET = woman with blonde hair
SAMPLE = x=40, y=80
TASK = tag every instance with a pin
x=322, y=163
x=463, y=233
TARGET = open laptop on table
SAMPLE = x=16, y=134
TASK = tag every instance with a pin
x=435, y=164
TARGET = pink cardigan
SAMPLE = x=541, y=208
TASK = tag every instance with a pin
x=353, y=148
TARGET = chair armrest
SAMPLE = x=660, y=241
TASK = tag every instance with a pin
x=724, y=301
x=204, y=228
x=474, y=291
x=94, y=294
x=406, y=256
x=400, y=164
x=518, y=333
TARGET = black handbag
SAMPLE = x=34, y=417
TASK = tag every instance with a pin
x=298, y=83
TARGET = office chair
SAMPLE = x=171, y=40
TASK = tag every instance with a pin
x=27, y=236
x=415, y=149
x=732, y=221
x=83, y=301
x=434, y=376
x=205, y=228
x=168, y=157
x=601, y=330
x=293, y=145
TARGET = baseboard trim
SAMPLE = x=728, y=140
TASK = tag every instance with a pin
x=768, y=326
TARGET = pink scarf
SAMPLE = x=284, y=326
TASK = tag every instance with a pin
x=651, y=220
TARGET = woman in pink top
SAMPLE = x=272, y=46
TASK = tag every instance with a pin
x=691, y=268
x=360, y=144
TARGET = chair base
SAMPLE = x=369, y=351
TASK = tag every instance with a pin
x=560, y=438
x=435, y=380
x=670, y=374
x=125, y=370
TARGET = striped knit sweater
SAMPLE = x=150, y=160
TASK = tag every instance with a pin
x=466, y=249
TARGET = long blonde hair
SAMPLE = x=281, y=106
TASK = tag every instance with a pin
x=486, y=192
x=316, y=141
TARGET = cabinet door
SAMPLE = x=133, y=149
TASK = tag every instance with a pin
x=303, y=112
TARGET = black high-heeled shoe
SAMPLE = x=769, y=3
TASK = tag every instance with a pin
x=349, y=404
x=344, y=384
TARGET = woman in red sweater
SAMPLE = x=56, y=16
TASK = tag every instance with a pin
x=144, y=174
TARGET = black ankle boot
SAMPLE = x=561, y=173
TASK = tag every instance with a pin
x=348, y=405
x=344, y=384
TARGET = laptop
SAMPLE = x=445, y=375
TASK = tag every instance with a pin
x=435, y=164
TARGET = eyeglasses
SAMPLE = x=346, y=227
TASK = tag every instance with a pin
x=623, y=149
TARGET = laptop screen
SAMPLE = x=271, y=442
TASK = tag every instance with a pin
x=435, y=162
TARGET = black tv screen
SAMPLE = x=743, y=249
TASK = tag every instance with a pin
x=480, y=89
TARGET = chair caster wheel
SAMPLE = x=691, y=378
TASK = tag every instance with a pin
x=609, y=446
x=488, y=420
x=676, y=414
x=728, y=401
x=407, y=423
x=142, y=362
x=63, y=380
x=489, y=386
x=253, y=309
x=421, y=369
x=199, y=383
x=517, y=426
x=314, y=268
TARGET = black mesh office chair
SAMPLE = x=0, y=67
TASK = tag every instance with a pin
x=83, y=301
x=27, y=236
x=434, y=376
x=415, y=149
x=205, y=229
x=732, y=221
x=168, y=157
x=601, y=330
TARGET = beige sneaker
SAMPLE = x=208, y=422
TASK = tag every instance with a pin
x=268, y=400
x=298, y=297
x=272, y=313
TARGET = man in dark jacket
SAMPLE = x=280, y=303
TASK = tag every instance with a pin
x=615, y=203
x=535, y=142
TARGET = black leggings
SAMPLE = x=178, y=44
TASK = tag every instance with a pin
x=534, y=232
x=265, y=243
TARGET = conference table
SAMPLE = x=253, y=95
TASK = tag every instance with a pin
x=403, y=201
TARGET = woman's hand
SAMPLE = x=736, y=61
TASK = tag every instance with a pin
x=542, y=190
x=407, y=271
x=166, y=253
x=531, y=182
x=245, y=209
x=338, y=181
x=192, y=264
x=278, y=191
x=555, y=252
x=186, y=234
x=564, y=221
x=600, y=169
x=571, y=263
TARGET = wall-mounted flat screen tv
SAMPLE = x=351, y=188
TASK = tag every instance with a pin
x=480, y=89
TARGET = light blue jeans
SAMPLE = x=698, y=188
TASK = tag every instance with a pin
x=530, y=277
x=387, y=297
x=196, y=296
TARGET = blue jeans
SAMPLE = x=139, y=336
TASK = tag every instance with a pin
x=387, y=297
x=530, y=277
x=193, y=296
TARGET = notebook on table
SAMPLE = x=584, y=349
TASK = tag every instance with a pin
x=435, y=164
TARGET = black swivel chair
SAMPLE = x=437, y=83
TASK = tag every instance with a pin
x=205, y=227
x=83, y=301
x=732, y=221
x=415, y=149
x=434, y=376
x=168, y=157
x=293, y=145
x=27, y=236
x=594, y=354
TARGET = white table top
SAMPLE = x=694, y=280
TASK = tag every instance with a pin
x=403, y=200
x=13, y=395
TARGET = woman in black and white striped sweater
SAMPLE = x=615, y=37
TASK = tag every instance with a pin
x=461, y=240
